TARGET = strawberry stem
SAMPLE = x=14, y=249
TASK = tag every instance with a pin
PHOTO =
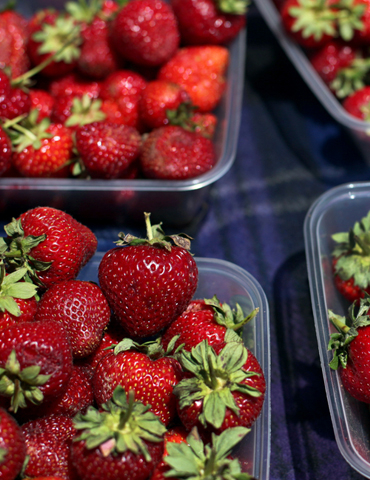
x=125, y=415
x=149, y=231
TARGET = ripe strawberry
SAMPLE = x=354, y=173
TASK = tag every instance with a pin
x=54, y=34
x=89, y=239
x=48, y=442
x=351, y=349
x=204, y=123
x=173, y=153
x=13, y=42
x=121, y=440
x=145, y=370
x=17, y=298
x=42, y=149
x=209, y=22
x=36, y=362
x=75, y=85
x=13, y=100
x=206, y=319
x=191, y=458
x=358, y=103
x=83, y=310
x=226, y=376
x=201, y=71
x=77, y=111
x=146, y=32
x=5, y=152
x=174, y=435
x=158, y=97
x=42, y=101
x=56, y=254
x=12, y=447
x=107, y=149
x=158, y=284
x=350, y=260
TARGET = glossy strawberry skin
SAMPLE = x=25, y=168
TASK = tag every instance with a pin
x=51, y=159
x=5, y=152
x=147, y=287
x=43, y=101
x=74, y=85
x=347, y=288
x=92, y=465
x=201, y=71
x=64, y=245
x=202, y=23
x=28, y=309
x=122, y=83
x=146, y=32
x=12, y=441
x=151, y=380
x=13, y=101
x=358, y=103
x=45, y=344
x=48, y=442
x=173, y=153
x=13, y=42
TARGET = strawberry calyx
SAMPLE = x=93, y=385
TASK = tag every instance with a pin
x=12, y=287
x=347, y=330
x=152, y=348
x=3, y=454
x=229, y=317
x=15, y=249
x=121, y=424
x=313, y=18
x=351, y=78
x=83, y=11
x=155, y=236
x=349, y=18
x=85, y=110
x=352, y=251
x=214, y=379
x=21, y=385
x=235, y=7
x=194, y=460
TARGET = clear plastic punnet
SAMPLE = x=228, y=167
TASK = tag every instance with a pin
x=232, y=285
x=336, y=211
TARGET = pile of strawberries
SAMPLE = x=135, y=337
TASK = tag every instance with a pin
x=129, y=379
x=336, y=38
x=113, y=89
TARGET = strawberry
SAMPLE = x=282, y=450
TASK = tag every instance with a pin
x=201, y=71
x=48, y=442
x=107, y=149
x=121, y=440
x=56, y=254
x=211, y=22
x=13, y=42
x=173, y=153
x=12, y=447
x=42, y=149
x=224, y=387
x=5, y=152
x=145, y=370
x=350, y=260
x=75, y=85
x=191, y=458
x=174, y=435
x=358, y=103
x=83, y=310
x=88, y=237
x=43, y=102
x=13, y=100
x=205, y=319
x=146, y=32
x=158, y=284
x=54, y=34
x=351, y=348
x=158, y=97
x=17, y=298
x=77, y=111
x=36, y=362
x=204, y=123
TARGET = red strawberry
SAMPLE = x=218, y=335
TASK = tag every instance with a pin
x=351, y=349
x=146, y=32
x=350, y=260
x=206, y=319
x=5, y=152
x=57, y=253
x=143, y=369
x=210, y=22
x=89, y=239
x=75, y=85
x=159, y=281
x=54, y=34
x=36, y=362
x=158, y=97
x=48, y=442
x=13, y=100
x=12, y=447
x=43, y=102
x=83, y=310
x=358, y=103
x=204, y=123
x=107, y=149
x=13, y=42
x=122, y=440
x=173, y=435
x=201, y=71
x=77, y=111
x=173, y=153
x=227, y=376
